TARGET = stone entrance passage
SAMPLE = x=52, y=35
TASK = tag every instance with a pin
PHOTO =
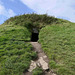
x=34, y=37
x=35, y=34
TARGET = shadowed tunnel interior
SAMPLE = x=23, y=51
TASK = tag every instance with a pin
x=34, y=37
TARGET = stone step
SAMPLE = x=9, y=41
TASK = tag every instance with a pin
x=32, y=66
x=43, y=64
x=40, y=62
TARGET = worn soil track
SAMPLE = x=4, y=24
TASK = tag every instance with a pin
x=38, y=49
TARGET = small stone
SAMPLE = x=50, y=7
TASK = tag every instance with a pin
x=43, y=64
x=54, y=74
x=38, y=64
x=32, y=66
x=45, y=56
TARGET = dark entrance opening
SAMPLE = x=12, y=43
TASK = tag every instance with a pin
x=34, y=37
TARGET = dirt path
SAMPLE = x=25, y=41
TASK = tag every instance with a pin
x=37, y=48
x=42, y=58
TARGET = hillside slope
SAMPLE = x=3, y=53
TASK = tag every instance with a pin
x=15, y=53
x=58, y=42
x=55, y=35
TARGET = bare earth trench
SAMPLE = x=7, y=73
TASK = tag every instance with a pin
x=42, y=60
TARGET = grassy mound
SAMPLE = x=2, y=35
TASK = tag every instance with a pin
x=15, y=53
x=56, y=37
x=34, y=20
x=58, y=42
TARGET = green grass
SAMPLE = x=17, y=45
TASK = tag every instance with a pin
x=10, y=32
x=34, y=20
x=15, y=53
x=58, y=42
x=56, y=36
x=37, y=71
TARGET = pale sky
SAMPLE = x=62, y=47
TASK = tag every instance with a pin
x=64, y=9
